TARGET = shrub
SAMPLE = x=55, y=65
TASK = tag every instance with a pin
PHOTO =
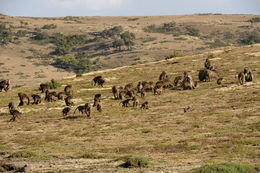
x=90, y=156
x=40, y=36
x=135, y=162
x=254, y=20
x=193, y=32
x=225, y=168
x=50, y=26
x=175, y=54
x=112, y=32
x=6, y=35
x=250, y=38
x=53, y=84
x=164, y=28
x=23, y=154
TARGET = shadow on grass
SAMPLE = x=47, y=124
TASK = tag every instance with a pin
x=71, y=117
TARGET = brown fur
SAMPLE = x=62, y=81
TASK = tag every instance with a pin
x=248, y=74
x=36, y=99
x=87, y=110
x=15, y=114
x=157, y=90
x=207, y=64
x=68, y=90
x=163, y=76
x=187, y=82
x=142, y=93
x=99, y=107
x=178, y=81
x=62, y=95
x=115, y=92
x=65, y=111
x=207, y=75
x=98, y=80
x=43, y=87
x=5, y=84
x=135, y=102
x=145, y=105
x=125, y=103
x=23, y=99
x=11, y=106
x=241, y=78
x=50, y=96
x=68, y=101
x=219, y=81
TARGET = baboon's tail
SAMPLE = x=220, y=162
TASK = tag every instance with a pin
x=75, y=110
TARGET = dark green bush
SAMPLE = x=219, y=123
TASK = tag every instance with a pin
x=164, y=28
x=250, y=38
x=225, y=168
x=49, y=26
x=254, y=20
x=53, y=84
x=173, y=55
x=193, y=32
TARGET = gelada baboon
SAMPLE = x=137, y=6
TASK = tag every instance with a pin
x=186, y=109
x=11, y=106
x=43, y=87
x=97, y=99
x=98, y=80
x=23, y=99
x=125, y=103
x=219, y=81
x=148, y=86
x=99, y=107
x=62, y=95
x=207, y=64
x=68, y=101
x=129, y=86
x=122, y=94
x=87, y=110
x=135, y=102
x=139, y=86
x=177, y=81
x=207, y=75
x=163, y=76
x=145, y=105
x=81, y=109
x=36, y=99
x=115, y=92
x=65, y=111
x=15, y=113
x=68, y=90
x=5, y=84
x=157, y=90
x=248, y=74
x=187, y=82
x=241, y=78
x=142, y=93
x=50, y=96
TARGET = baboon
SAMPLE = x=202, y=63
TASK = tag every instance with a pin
x=130, y=93
x=248, y=74
x=187, y=109
x=139, y=87
x=43, y=87
x=50, y=96
x=207, y=75
x=219, y=81
x=178, y=80
x=23, y=99
x=68, y=90
x=157, y=90
x=62, y=95
x=159, y=84
x=5, y=84
x=97, y=99
x=99, y=108
x=241, y=78
x=187, y=82
x=15, y=113
x=81, y=109
x=11, y=106
x=135, y=102
x=98, y=80
x=142, y=93
x=68, y=101
x=129, y=86
x=115, y=92
x=65, y=111
x=207, y=64
x=163, y=76
x=145, y=105
x=125, y=103
x=87, y=110
x=36, y=99
x=122, y=94
x=148, y=86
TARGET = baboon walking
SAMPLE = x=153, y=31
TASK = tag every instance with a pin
x=135, y=102
x=81, y=109
x=98, y=80
x=36, y=99
x=15, y=114
x=23, y=99
x=65, y=111
x=125, y=103
x=145, y=105
x=11, y=106
x=87, y=110
x=99, y=107
x=43, y=87
x=97, y=99
x=68, y=101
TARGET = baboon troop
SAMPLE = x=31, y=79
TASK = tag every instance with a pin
x=24, y=99
x=245, y=76
x=4, y=84
x=98, y=80
x=145, y=105
x=36, y=99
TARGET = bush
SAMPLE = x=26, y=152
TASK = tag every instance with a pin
x=225, y=168
x=193, y=32
x=23, y=154
x=175, y=54
x=254, y=20
x=135, y=162
x=50, y=26
x=164, y=28
x=6, y=35
x=53, y=84
x=112, y=32
x=40, y=36
x=250, y=38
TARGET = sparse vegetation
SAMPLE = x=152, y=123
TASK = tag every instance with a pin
x=173, y=55
x=254, y=20
x=49, y=26
x=136, y=162
x=53, y=84
x=6, y=35
x=22, y=154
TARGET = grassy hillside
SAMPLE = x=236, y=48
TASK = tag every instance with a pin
x=39, y=48
x=222, y=126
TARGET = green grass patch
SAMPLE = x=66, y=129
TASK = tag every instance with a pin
x=22, y=154
x=136, y=162
x=90, y=156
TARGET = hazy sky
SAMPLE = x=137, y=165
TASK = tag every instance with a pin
x=52, y=8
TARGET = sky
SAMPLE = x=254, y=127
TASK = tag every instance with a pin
x=60, y=8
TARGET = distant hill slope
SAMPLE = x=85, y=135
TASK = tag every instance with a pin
x=222, y=124
x=38, y=53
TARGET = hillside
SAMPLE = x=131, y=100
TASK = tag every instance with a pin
x=222, y=126
x=37, y=49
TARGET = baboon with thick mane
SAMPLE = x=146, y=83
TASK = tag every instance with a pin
x=148, y=86
x=36, y=99
x=65, y=111
x=5, y=84
x=68, y=101
x=163, y=76
x=98, y=80
x=145, y=105
x=23, y=99
x=248, y=74
x=187, y=82
x=207, y=75
x=68, y=90
x=43, y=87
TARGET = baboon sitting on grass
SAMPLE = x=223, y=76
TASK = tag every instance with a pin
x=23, y=99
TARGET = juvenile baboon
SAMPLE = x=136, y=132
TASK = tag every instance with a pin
x=23, y=99
x=68, y=101
x=11, y=106
x=87, y=110
x=219, y=81
x=62, y=95
x=125, y=103
x=157, y=90
x=241, y=78
x=115, y=92
x=177, y=81
x=139, y=87
x=65, y=111
x=207, y=64
x=98, y=80
x=36, y=99
x=163, y=76
x=187, y=109
x=68, y=90
x=50, y=96
x=145, y=105
x=135, y=102
x=248, y=74
x=15, y=114
x=99, y=108
x=43, y=87
x=142, y=93
x=97, y=99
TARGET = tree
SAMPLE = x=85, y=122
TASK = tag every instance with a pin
x=118, y=43
x=128, y=38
